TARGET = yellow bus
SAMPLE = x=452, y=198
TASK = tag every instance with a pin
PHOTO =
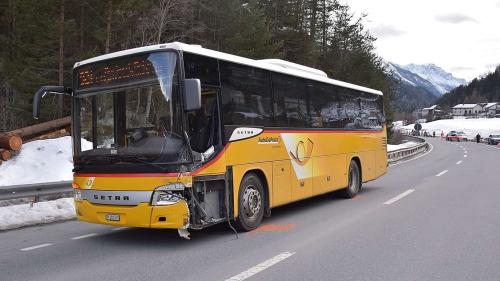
x=182, y=137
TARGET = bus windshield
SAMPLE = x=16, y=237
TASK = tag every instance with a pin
x=133, y=115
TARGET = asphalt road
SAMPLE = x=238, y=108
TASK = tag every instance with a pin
x=418, y=222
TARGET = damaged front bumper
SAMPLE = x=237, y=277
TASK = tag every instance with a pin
x=173, y=216
x=174, y=203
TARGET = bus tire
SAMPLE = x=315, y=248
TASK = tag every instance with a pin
x=251, y=202
x=354, y=181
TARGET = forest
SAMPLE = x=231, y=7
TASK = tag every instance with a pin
x=480, y=90
x=42, y=39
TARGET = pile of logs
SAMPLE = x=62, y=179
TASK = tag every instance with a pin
x=11, y=142
x=8, y=145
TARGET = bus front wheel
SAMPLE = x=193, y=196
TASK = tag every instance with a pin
x=250, y=202
x=354, y=181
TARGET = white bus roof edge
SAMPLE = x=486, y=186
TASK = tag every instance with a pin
x=268, y=64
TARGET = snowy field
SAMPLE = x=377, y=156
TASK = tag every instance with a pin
x=41, y=212
x=485, y=127
x=40, y=161
x=392, y=147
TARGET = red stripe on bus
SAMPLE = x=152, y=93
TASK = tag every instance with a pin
x=197, y=171
x=141, y=175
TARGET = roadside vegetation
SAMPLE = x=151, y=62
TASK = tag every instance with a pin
x=41, y=40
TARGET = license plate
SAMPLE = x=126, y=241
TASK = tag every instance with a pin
x=112, y=217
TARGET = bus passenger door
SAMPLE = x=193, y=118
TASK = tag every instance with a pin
x=282, y=192
x=204, y=128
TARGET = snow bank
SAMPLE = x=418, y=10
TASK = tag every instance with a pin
x=392, y=147
x=41, y=212
x=484, y=126
x=40, y=161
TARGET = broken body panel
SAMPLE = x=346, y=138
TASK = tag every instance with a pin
x=182, y=169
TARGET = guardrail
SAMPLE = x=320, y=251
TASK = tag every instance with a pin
x=34, y=190
x=413, y=138
x=404, y=153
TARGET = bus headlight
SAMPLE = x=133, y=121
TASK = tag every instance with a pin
x=77, y=194
x=167, y=194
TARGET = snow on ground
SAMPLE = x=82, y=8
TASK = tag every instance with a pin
x=483, y=126
x=40, y=161
x=397, y=124
x=42, y=212
x=392, y=147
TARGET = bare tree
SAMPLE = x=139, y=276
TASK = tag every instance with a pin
x=161, y=22
x=60, y=99
x=109, y=18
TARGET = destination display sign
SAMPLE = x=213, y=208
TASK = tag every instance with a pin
x=115, y=72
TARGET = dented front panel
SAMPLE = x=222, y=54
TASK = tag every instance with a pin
x=129, y=196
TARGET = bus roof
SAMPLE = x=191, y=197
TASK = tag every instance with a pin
x=271, y=65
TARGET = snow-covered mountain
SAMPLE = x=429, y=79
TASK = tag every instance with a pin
x=412, y=79
x=418, y=86
x=443, y=81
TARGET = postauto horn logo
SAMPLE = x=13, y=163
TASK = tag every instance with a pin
x=302, y=153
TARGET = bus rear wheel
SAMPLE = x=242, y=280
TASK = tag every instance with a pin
x=250, y=203
x=354, y=181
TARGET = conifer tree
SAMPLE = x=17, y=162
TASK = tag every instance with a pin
x=41, y=40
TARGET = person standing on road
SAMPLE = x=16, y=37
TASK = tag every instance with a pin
x=433, y=134
x=478, y=138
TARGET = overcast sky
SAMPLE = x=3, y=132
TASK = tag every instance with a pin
x=462, y=37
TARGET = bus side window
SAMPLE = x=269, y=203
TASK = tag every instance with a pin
x=204, y=68
x=246, y=95
x=290, y=101
x=325, y=101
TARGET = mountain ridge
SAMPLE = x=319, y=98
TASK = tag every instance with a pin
x=443, y=81
x=418, y=86
x=483, y=89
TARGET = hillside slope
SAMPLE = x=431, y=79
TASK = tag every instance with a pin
x=441, y=80
x=410, y=90
x=486, y=89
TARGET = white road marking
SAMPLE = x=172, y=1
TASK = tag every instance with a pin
x=442, y=173
x=465, y=156
x=261, y=266
x=36, y=247
x=119, y=228
x=84, y=236
x=400, y=196
x=459, y=162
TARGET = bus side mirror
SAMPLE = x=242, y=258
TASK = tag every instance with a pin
x=192, y=94
x=37, y=99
